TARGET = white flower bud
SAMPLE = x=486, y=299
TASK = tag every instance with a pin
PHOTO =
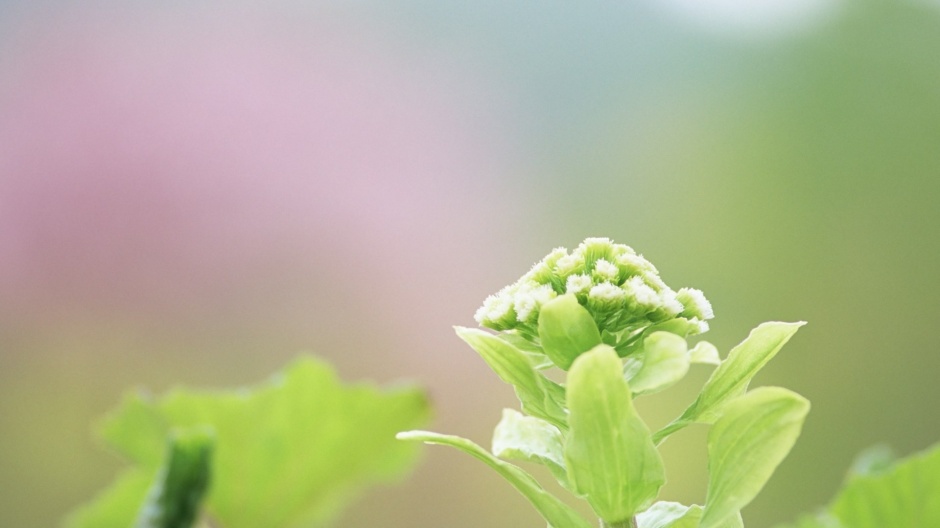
x=702, y=326
x=640, y=296
x=695, y=304
x=542, y=272
x=497, y=311
x=654, y=281
x=622, y=249
x=606, y=297
x=633, y=264
x=594, y=249
x=529, y=298
x=671, y=306
x=578, y=284
x=569, y=265
x=606, y=271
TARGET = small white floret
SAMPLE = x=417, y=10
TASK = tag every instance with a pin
x=543, y=294
x=529, y=298
x=569, y=264
x=622, y=249
x=670, y=302
x=595, y=241
x=641, y=295
x=578, y=283
x=495, y=309
x=606, y=297
x=635, y=264
x=543, y=268
x=695, y=304
x=606, y=270
x=554, y=255
x=594, y=248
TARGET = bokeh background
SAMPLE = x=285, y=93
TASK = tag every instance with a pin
x=194, y=192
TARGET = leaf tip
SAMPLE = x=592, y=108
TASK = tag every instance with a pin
x=466, y=333
x=411, y=436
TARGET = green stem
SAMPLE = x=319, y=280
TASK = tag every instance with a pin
x=629, y=523
x=675, y=425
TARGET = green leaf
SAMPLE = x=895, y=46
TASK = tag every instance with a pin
x=609, y=454
x=290, y=452
x=679, y=326
x=664, y=514
x=519, y=437
x=821, y=520
x=732, y=521
x=674, y=515
x=117, y=506
x=872, y=461
x=746, y=445
x=176, y=497
x=663, y=361
x=704, y=353
x=540, y=396
x=534, y=352
x=734, y=374
x=555, y=512
x=141, y=432
x=906, y=496
x=566, y=330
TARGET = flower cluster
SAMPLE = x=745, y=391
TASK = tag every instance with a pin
x=621, y=289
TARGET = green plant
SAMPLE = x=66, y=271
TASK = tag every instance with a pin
x=290, y=452
x=602, y=314
x=880, y=491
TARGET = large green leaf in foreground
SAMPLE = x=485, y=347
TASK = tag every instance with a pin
x=289, y=452
x=610, y=457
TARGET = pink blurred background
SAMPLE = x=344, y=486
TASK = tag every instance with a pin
x=194, y=197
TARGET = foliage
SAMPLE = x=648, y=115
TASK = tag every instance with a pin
x=878, y=493
x=603, y=314
x=290, y=452
x=177, y=494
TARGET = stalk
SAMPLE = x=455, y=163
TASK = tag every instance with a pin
x=629, y=523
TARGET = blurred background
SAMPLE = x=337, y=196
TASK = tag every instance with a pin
x=195, y=192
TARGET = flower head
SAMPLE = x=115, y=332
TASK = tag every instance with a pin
x=622, y=290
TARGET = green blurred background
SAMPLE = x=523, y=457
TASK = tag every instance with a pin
x=193, y=193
